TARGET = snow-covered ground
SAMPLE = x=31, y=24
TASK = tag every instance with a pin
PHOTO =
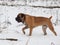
x=14, y=29
x=45, y=3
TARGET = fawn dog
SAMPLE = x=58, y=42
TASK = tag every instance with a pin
x=32, y=21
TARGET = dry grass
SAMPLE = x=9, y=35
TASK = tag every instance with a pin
x=28, y=41
x=52, y=43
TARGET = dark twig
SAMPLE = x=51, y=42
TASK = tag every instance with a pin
x=10, y=39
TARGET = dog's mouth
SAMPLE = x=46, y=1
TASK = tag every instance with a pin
x=18, y=20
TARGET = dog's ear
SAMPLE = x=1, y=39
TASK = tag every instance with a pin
x=22, y=15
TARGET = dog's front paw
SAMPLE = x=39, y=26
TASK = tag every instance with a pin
x=29, y=34
x=23, y=31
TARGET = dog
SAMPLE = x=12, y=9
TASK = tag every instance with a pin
x=32, y=21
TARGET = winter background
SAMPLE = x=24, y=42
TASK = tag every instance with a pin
x=9, y=28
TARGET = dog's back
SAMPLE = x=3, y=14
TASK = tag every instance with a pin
x=36, y=21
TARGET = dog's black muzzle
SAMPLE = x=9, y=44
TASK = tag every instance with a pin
x=18, y=19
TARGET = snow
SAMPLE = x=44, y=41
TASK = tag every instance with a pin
x=14, y=30
x=45, y=3
x=12, y=2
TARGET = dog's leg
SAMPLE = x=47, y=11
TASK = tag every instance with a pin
x=30, y=31
x=51, y=28
x=24, y=29
x=44, y=27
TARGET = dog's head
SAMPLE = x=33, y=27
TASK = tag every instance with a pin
x=20, y=17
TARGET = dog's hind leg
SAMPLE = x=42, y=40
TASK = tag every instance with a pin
x=51, y=28
x=44, y=27
x=24, y=29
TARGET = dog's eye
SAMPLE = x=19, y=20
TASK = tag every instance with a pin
x=18, y=16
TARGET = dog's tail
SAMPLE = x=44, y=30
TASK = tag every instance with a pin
x=50, y=17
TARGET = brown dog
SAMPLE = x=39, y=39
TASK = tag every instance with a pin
x=32, y=21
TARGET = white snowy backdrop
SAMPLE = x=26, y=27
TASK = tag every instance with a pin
x=9, y=28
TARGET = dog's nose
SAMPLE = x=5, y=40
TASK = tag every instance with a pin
x=16, y=19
